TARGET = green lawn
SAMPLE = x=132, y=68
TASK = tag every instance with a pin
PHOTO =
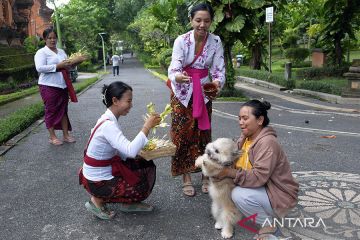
x=354, y=55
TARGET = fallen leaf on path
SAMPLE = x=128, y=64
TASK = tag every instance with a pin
x=330, y=136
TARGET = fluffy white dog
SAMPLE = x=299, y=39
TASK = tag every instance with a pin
x=219, y=154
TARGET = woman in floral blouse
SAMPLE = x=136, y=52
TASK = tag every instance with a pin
x=195, y=54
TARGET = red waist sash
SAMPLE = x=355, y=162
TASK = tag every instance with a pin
x=118, y=168
x=69, y=85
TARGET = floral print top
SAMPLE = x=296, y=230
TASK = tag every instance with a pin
x=212, y=58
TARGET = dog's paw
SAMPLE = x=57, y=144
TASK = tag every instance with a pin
x=218, y=226
x=226, y=234
x=199, y=161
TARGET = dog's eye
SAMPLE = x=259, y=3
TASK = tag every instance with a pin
x=217, y=151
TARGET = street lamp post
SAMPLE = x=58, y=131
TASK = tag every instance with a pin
x=103, y=47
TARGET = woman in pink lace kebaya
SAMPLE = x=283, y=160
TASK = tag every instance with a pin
x=195, y=54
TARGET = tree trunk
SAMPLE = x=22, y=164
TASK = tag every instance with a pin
x=255, y=62
x=338, y=49
x=230, y=72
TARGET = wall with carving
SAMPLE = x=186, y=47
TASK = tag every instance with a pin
x=21, y=18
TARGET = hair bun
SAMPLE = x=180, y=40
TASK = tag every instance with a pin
x=104, y=88
x=266, y=105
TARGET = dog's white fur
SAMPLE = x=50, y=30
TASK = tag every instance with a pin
x=218, y=154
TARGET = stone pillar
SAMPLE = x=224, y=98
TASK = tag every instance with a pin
x=287, y=71
x=318, y=58
x=353, y=76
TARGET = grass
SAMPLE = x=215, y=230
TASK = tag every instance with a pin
x=157, y=73
x=354, y=55
x=21, y=119
x=79, y=86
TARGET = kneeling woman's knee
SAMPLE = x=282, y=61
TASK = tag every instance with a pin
x=237, y=195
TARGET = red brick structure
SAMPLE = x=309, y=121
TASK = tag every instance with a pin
x=318, y=58
x=21, y=18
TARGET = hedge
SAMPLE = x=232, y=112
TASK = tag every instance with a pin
x=320, y=87
x=17, y=95
x=20, y=120
x=296, y=55
x=269, y=77
x=317, y=73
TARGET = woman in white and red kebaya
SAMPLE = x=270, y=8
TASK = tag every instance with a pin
x=112, y=171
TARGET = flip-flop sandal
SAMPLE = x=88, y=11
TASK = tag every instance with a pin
x=188, y=189
x=135, y=207
x=69, y=139
x=101, y=213
x=205, y=186
x=271, y=235
x=56, y=142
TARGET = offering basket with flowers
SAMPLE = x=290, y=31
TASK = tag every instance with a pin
x=78, y=57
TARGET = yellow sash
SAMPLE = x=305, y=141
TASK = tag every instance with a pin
x=244, y=162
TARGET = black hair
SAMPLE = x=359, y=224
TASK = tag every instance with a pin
x=259, y=108
x=115, y=89
x=48, y=31
x=202, y=7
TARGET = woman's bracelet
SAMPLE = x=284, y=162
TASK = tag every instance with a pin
x=148, y=129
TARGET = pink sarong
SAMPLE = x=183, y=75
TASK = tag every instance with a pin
x=199, y=108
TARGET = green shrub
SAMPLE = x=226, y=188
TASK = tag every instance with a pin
x=320, y=87
x=317, y=73
x=164, y=57
x=236, y=93
x=16, y=61
x=296, y=55
x=290, y=41
x=19, y=121
x=276, y=78
x=7, y=86
x=304, y=64
x=24, y=74
x=31, y=44
x=86, y=66
x=147, y=59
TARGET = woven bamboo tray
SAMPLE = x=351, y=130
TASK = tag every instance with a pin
x=77, y=60
x=159, y=152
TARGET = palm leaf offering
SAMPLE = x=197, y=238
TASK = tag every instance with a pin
x=78, y=57
x=151, y=109
x=157, y=148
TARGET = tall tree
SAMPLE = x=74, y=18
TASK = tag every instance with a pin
x=238, y=19
x=81, y=22
x=340, y=17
